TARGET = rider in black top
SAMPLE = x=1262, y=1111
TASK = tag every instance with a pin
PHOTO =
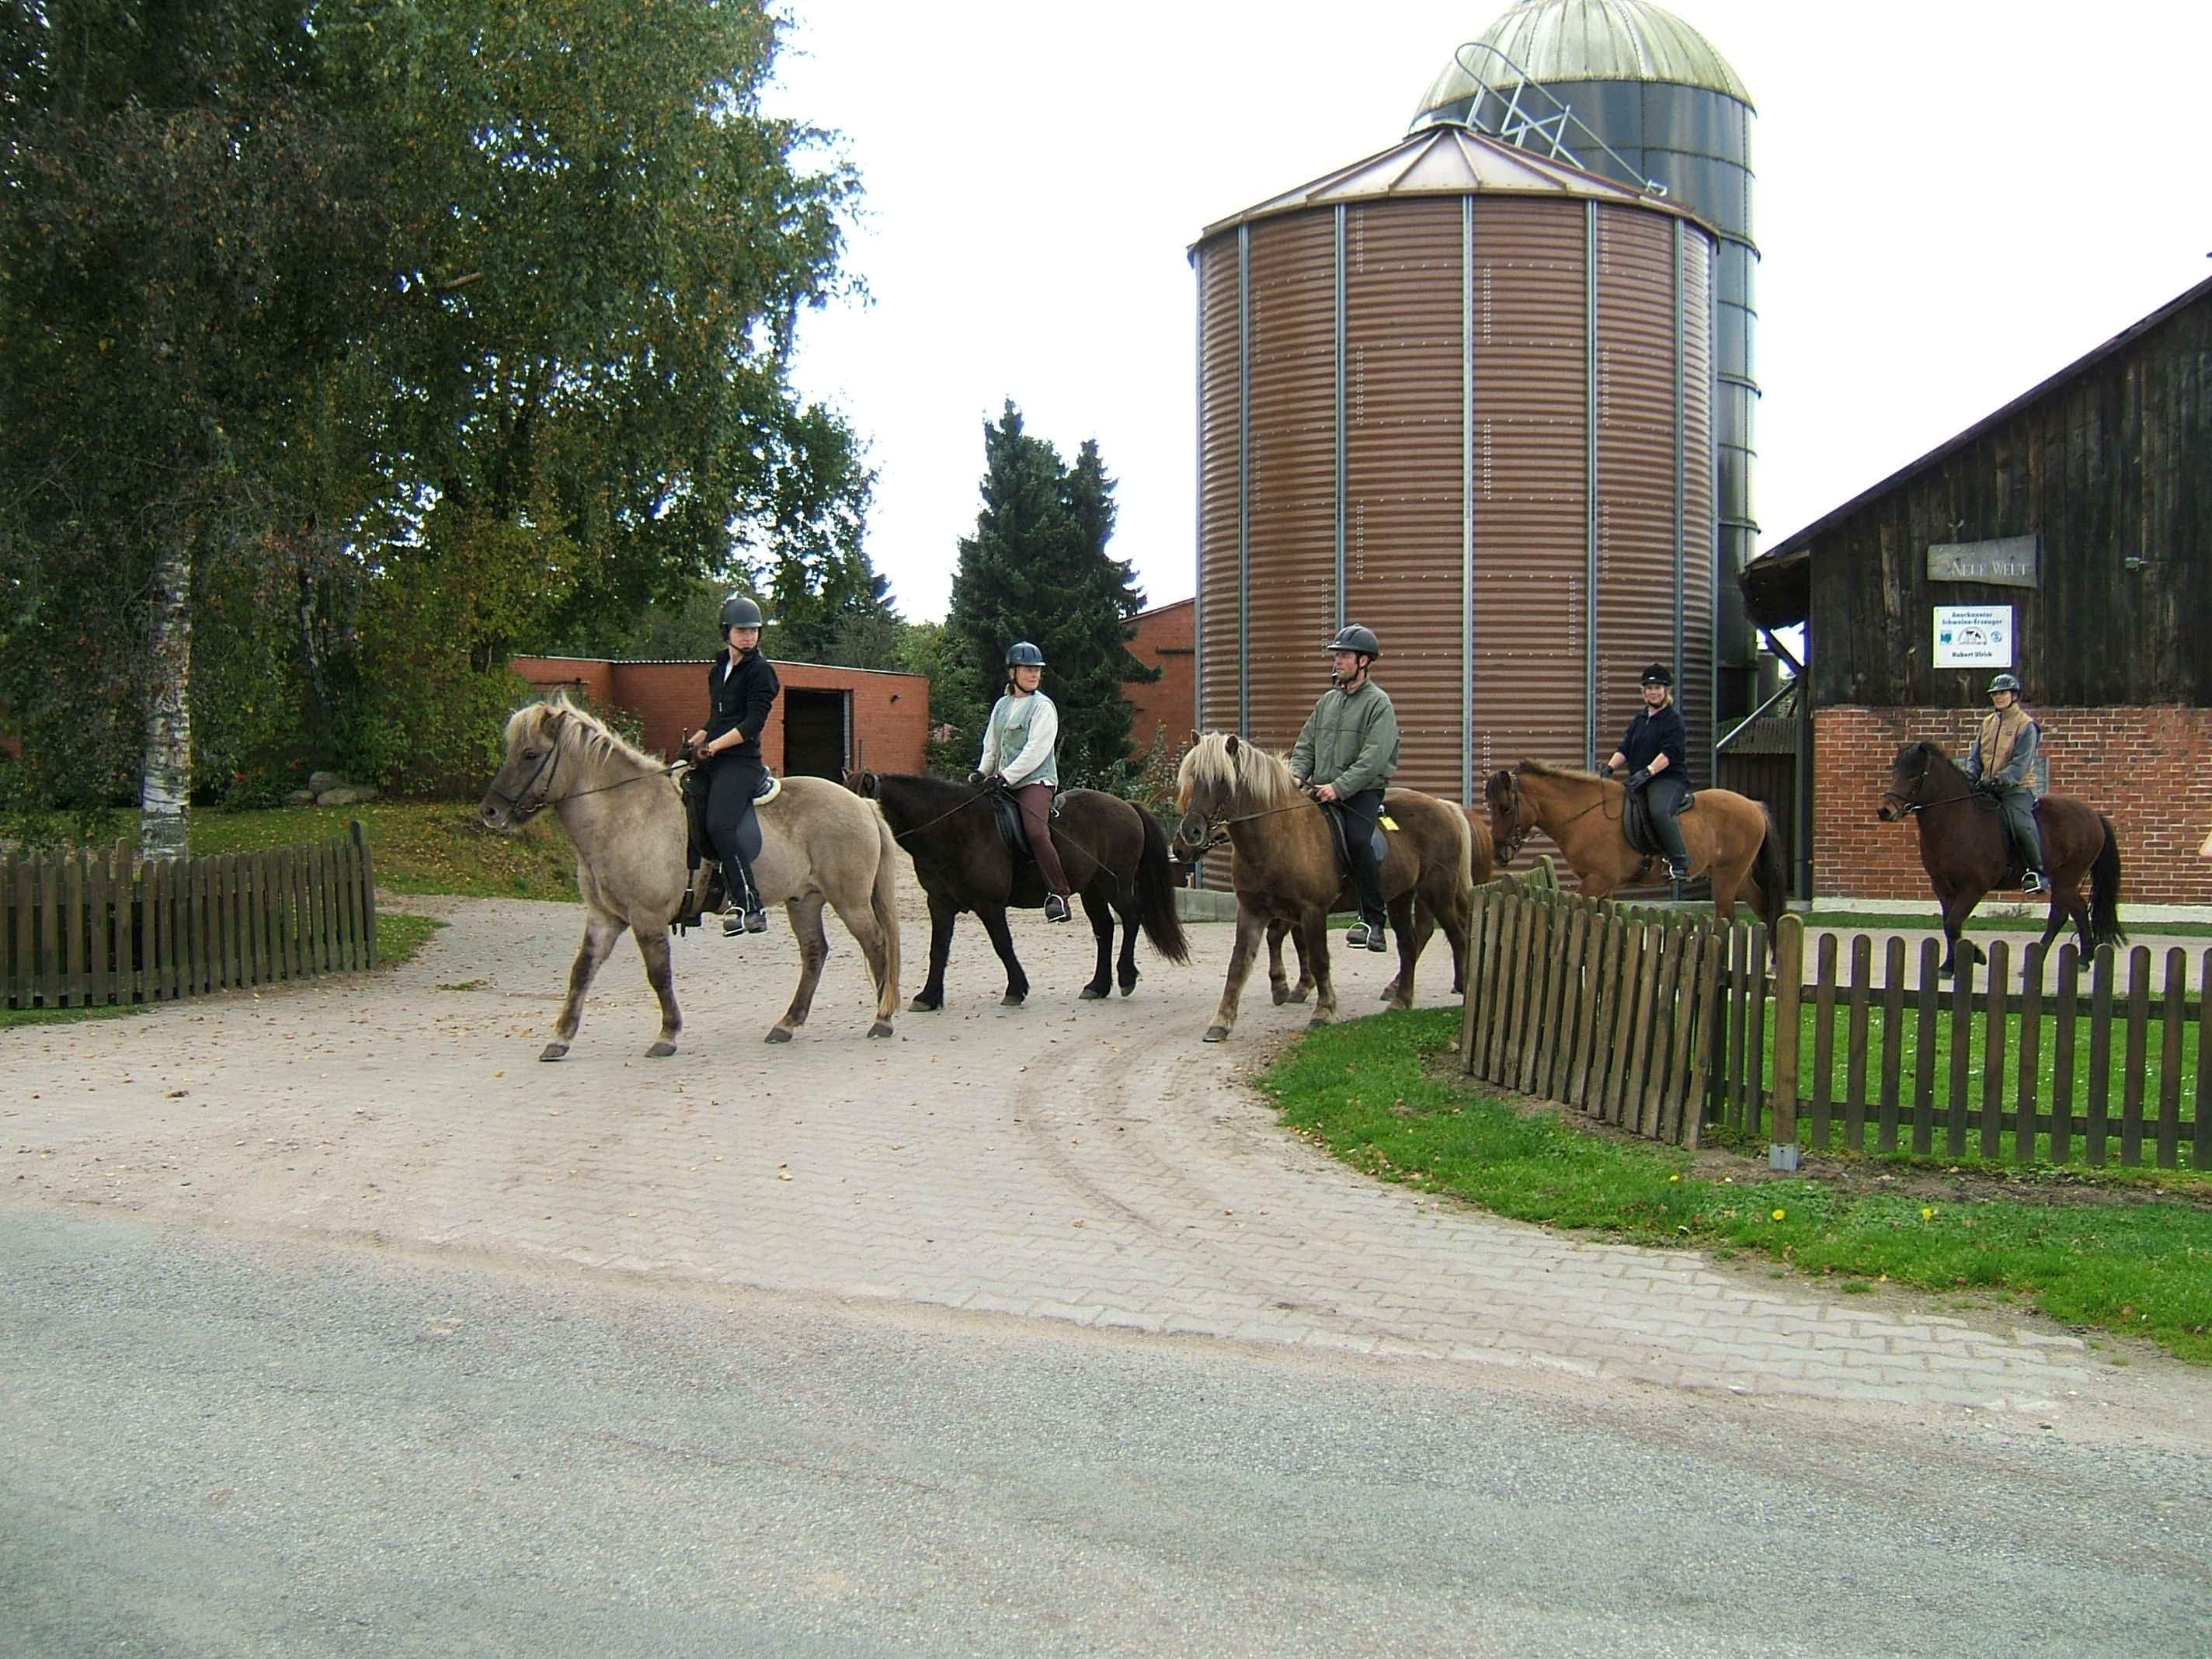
x=741, y=689
x=1655, y=754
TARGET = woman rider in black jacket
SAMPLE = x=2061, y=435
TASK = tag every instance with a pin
x=1656, y=752
x=741, y=689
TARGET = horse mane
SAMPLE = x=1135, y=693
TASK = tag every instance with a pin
x=1251, y=773
x=597, y=741
x=1566, y=774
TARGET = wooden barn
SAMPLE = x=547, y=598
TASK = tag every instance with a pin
x=2067, y=538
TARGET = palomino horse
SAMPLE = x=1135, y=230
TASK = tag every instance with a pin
x=1962, y=848
x=1729, y=837
x=1113, y=851
x=1481, y=868
x=620, y=809
x=1287, y=867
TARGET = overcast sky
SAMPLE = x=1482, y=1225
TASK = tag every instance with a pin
x=1955, y=198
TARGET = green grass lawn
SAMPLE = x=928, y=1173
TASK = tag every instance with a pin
x=415, y=846
x=1385, y=1095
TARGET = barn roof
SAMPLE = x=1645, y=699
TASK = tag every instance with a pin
x=1778, y=585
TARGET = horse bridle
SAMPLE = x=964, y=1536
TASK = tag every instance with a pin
x=1907, y=805
x=1521, y=831
x=546, y=770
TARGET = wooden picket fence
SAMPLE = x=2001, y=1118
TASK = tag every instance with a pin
x=85, y=930
x=1614, y=1011
x=2087, y=1072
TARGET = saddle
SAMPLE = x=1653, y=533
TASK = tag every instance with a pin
x=1008, y=813
x=1337, y=834
x=704, y=892
x=1636, y=822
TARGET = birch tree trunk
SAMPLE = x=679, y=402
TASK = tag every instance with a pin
x=166, y=783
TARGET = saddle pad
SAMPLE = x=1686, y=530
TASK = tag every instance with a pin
x=770, y=786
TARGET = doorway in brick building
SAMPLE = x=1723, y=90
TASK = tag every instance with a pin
x=817, y=733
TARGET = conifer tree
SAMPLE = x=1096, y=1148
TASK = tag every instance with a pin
x=1038, y=569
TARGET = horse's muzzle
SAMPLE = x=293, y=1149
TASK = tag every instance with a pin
x=1885, y=812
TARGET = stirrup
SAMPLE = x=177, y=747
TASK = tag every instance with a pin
x=1678, y=869
x=2035, y=882
x=1055, y=907
x=1362, y=937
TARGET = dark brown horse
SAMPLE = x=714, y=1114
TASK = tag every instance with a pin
x=1287, y=867
x=1962, y=848
x=1113, y=851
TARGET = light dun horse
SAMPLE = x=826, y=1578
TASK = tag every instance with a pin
x=1286, y=866
x=818, y=844
x=1729, y=837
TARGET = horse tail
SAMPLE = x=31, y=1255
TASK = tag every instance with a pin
x=1771, y=872
x=1156, y=894
x=2105, y=891
x=883, y=903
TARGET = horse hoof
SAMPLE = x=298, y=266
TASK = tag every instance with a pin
x=553, y=1051
x=660, y=1050
x=919, y=1006
x=1130, y=987
x=1282, y=994
x=1388, y=991
x=1316, y=1024
x=1013, y=999
x=779, y=1033
x=1217, y=1034
x=1297, y=996
x=881, y=1028
x=1092, y=994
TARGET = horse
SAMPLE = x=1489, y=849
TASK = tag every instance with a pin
x=1287, y=867
x=1729, y=837
x=1963, y=848
x=1113, y=851
x=1482, y=867
x=621, y=808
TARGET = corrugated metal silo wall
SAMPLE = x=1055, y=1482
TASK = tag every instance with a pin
x=1531, y=511
x=1219, y=413
x=1700, y=501
x=1403, y=565
x=1290, y=606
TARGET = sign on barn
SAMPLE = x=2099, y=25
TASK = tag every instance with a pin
x=2008, y=561
x=1974, y=636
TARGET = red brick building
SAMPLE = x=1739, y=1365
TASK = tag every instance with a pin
x=827, y=720
x=2081, y=514
x=1166, y=640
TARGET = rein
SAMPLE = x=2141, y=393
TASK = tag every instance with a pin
x=1523, y=831
x=547, y=769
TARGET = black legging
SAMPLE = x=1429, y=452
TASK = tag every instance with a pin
x=1663, y=798
x=1359, y=813
x=731, y=826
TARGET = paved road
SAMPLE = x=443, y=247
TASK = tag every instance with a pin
x=219, y=1446
x=1089, y=1172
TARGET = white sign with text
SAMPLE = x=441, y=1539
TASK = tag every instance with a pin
x=1974, y=636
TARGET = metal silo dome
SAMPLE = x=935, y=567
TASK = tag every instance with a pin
x=1628, y=90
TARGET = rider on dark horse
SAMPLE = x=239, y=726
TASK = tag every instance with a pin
x=1351, y=744
x=741, y=689
x=1656, y=753
x=1999, y=764
x=1020, y=748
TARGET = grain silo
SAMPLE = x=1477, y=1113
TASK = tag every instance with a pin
x=1632, y=92
x=1461, y=393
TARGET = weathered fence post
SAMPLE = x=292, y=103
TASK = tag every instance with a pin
x=1789, y=975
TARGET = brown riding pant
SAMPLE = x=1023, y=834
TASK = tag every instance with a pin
x=1035, y=800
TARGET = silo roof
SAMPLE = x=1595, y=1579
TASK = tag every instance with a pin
x=1561, y=42
x=1445, y=161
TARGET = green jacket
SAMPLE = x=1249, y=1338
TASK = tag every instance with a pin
x=1351, y=742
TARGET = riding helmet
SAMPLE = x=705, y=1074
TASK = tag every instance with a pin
x=1022, y=654
x=2004, y=683
x=1352, y=637
x=738, y=612
x=1659, y=674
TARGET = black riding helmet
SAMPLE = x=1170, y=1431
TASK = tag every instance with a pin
x=2003, y=683
x=1022, y=654
x=738, y=612
x=1352, y=637
x=1659, y=674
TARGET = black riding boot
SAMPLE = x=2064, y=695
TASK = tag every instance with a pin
x=1359, y=815
x=1662, y=799
x=745, y=914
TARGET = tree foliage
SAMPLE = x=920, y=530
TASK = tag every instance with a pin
x=421, y=330
x=1038, y=569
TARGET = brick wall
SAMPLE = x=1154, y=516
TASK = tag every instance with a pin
x=890, y=711
x=2145, y=769
x=1164, y=640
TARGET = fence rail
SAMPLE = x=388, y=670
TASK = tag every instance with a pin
x=89, y=929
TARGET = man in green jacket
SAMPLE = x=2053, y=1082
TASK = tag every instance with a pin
x=1346, y=754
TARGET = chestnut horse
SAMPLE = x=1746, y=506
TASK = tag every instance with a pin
x=1962, y=848
x=1729, y=837
x=1287, y=867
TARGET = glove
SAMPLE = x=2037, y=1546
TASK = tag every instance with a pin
x=1605, y=771
x=974, y=777
x=1640, y=777
x=1989, y=786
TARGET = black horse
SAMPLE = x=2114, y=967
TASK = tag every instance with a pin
x=1113, y=851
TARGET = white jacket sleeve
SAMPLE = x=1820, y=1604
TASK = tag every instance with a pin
x=1044, y=733
x=988, y=762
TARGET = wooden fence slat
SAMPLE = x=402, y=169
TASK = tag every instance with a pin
x=17, y=944
x=1558, y=1000
x=76, y=917
x=1759, y=957
x=1994, y=1032
x=1738, y=1006
x=2169, y=1059
x=50, y=934
x=1665, y=1026
x=1962, y=1053
x=1470, y=998
x=1701, y=1048
x=1644, y=1028
x=1928, y=992
x=1501, y=986
x=2065, y=1020
x=1678, y=1102
x=1540, y=919
x=1855, y=1085
x=367, y=872
x=1598, y=944
x=2201, y=1156
x=2101, y=1054
x=1516, y=926
x=2131, y=1079
x=1893, y=1041
x=2031, y=1054
x=1822, y=1097
x=1788, y=948
x=1575, y=939
x=1620, y=1075
x=103, y=928
x=348, y=905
